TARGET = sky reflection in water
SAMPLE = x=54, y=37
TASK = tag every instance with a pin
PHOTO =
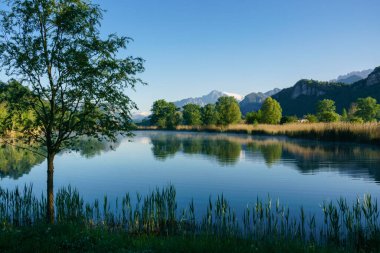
x=199, y=165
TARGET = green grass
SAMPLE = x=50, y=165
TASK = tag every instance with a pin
x=80, y=238
x=154, y=224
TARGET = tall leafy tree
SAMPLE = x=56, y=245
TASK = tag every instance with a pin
x=326, y=111
x=76, y=79
x=165, y=114
x=209, y=115
x=192, y=115
x=367, y=109
x=271, y=111
x=228, y=110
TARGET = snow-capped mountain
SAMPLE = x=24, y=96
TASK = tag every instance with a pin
x=238, y=97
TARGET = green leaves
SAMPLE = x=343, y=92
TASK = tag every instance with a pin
x=228, y=111
x=192, y=115
x=271, y=111
x=165, y=114
x=209, y=115
x=326, y=111
x=77, y=81
x=367, y=109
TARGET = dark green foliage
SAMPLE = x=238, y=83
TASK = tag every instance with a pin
x=367, y=109
x=344, y=116
x=271, y=112
x=209, y=115
x=328, y=117
x=165, y=114
x=289, y=119
x=326, y=111
x=192, y=115
x=311, y=118
x=228, y=111
x=78, y=238
x=253, y=117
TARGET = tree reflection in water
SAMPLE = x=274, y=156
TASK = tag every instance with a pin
x=16, y=160
x=306, y=156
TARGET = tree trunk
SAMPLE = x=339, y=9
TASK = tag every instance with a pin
x=50, y=189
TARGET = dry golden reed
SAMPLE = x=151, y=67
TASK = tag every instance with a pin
x=342, y=131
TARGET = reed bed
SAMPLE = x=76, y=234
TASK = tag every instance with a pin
x=341, y=131
x=349, y=225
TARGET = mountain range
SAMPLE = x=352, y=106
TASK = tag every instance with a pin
x=210, y=98
x=254, y=100
x=302, y=98
x=353, y=77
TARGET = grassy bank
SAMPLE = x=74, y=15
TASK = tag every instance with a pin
x=154, y=224
x=79, y=238
x=364, y=133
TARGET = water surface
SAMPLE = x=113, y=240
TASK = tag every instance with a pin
x=298, y=172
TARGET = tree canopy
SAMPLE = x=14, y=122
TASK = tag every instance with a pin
x=367, y=109
x=76, y=78
x=271, y=111
x=192, y=115
x=165, y=114
x=326, y=111
x=228, y=110
x=209, y=115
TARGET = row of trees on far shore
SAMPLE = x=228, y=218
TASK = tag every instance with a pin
x=226, y=111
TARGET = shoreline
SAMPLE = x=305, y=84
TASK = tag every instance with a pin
x=368, y=133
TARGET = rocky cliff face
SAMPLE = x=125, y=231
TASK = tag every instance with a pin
x=302, y=98
x=306, y=87
x=374, y=77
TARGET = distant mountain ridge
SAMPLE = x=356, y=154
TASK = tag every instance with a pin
x=254, y=100
x=210, y=98
x=302, y=98
x=353, y=76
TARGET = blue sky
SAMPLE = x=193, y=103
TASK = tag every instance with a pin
x=194, y=46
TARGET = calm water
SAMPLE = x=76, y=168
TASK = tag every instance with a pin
x=200, y=165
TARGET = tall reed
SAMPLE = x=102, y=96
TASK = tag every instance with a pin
x=354, y=225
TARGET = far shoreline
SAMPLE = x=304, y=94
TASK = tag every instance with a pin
x=367, y=133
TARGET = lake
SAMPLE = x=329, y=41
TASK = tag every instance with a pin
x=199, y=165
